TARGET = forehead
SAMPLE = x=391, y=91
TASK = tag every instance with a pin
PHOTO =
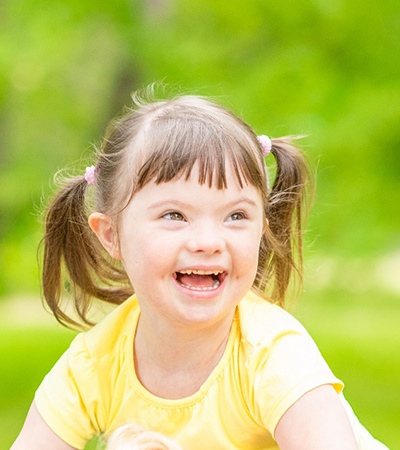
x=189, y=192
x=176, y=141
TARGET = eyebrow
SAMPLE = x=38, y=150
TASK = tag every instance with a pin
x=178, y=203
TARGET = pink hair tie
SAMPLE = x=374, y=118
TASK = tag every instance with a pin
x=90, y=175
x=265, y=143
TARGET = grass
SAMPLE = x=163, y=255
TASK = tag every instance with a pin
x=357, y=332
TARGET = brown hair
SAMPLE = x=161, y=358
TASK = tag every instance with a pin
x=159, y=141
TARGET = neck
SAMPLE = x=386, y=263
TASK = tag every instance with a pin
x=175, y=362
x=170, y=344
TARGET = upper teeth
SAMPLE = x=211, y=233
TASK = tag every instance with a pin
x=200, y=272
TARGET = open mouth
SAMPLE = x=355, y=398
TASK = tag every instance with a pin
x=200, y=280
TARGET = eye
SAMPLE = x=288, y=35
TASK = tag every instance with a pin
x=236, y=216
x=173, y=216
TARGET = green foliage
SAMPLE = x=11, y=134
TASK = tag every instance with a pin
x=329, y=70
x=326, y=69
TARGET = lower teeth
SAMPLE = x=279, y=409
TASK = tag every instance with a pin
x=199, y=288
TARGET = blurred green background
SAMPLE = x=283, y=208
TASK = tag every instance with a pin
x=326, y=69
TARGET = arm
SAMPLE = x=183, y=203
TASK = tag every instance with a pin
x=317, y=421
x=36, y=435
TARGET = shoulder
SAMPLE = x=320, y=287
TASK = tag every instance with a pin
x=92, y=353
x=270, y=335
x=262, y=322
x=75, y=396
x=279, y=360
x=115, y=327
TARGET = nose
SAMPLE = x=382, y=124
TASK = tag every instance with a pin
x=207, y=238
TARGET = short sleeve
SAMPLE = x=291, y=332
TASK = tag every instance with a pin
x=281, y=360
x=290, y=368
x=67, y=398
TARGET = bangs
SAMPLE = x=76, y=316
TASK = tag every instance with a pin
x=172, y=146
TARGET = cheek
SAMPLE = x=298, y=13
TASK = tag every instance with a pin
x=248, y=255
x=145, y=259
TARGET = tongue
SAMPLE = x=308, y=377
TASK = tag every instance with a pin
x=196, y=280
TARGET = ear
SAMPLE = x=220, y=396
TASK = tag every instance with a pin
x=103, y=228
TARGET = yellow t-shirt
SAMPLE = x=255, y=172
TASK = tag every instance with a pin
x=270, y=361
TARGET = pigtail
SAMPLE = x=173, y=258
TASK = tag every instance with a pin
x=192, y=130
x=286, y=210
x=73, y=259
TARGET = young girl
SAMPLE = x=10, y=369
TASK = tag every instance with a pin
x=188, y=237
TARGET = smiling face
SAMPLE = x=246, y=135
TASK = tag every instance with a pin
x=190, y=250
x=184, y=180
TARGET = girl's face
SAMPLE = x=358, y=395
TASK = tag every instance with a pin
x=191, y=251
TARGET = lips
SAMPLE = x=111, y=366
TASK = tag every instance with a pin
x=200, y=280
